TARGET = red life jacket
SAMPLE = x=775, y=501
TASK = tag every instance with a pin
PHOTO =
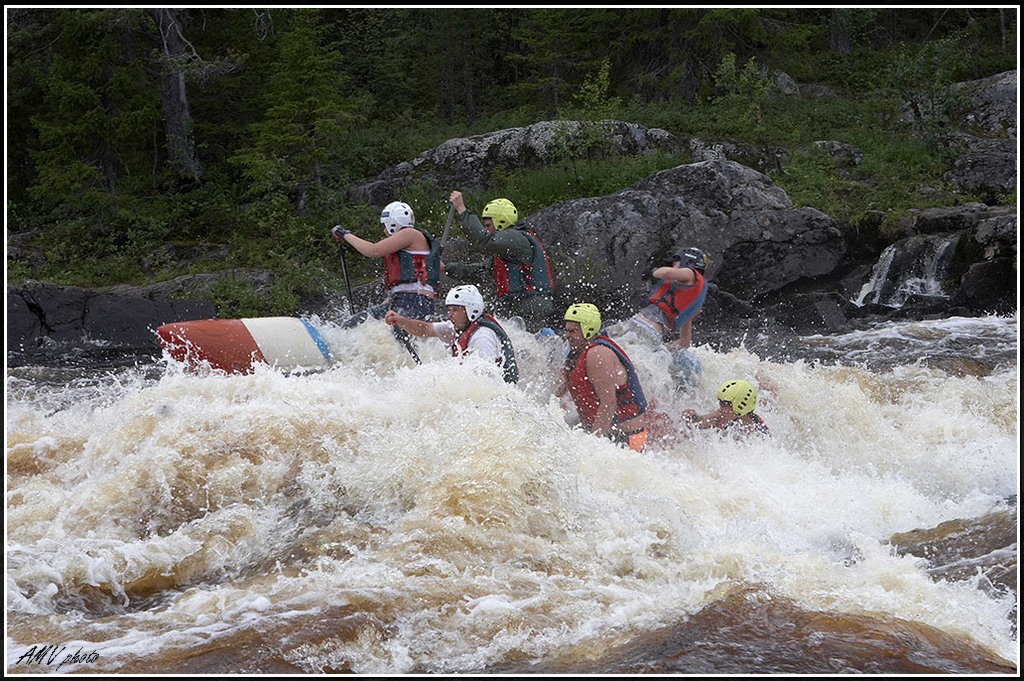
x=405, y=268
x=508, y=356
x=532, y=277
x=679, y=303
x=629, y=397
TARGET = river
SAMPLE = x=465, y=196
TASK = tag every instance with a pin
x=388, y=517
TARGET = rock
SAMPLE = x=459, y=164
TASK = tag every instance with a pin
x=47, y=319
x=986, y=168
x=845, y=155
x=466, y=163
x=757, y=241
x=991, y=105
x=199, y=285
x=960, y=550
x=985, y=287
x=987, y=136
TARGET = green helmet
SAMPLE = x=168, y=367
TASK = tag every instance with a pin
x=501, y=212
x=587, y=315
x=740, y=394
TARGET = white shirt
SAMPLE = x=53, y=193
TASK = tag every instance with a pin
x=483, y=343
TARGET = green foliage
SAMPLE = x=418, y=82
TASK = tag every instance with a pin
x=1009, y=199
x=555, y=51
x=546, y=186
x=586, y=137
x=236, y=298
x=922, y=76
x=575, y=141
x=306, y=120
x=98, y=109
x=593, y=100
x=889, y=179
x=719, y=31
x=744, y=89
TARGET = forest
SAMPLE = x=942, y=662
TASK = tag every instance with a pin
x=131, y=129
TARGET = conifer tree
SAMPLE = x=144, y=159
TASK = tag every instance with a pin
x=295, y=147
x=98, y=109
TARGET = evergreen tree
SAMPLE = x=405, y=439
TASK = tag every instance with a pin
x=296, y=147
x=552, y=50
x=27, y=29
x=99, y=108
x=457, y=71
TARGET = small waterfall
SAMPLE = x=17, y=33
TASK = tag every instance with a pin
x=914, y=266
x=879, y=274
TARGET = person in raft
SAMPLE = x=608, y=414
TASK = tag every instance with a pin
x=672, y=305
x=412, y=266
x=524, y=286
x=737, y=400
x=467, y=331
x=602, y=380
x=677, y=298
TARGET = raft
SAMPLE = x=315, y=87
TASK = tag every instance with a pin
x=238, y=346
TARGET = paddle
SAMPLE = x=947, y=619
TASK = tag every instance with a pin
x=344, y=271
x=407, y=342
x=403, y=337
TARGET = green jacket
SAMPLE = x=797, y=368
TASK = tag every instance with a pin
x=513, y=246
x=508, y=244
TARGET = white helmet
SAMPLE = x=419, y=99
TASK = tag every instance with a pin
x=469, y=297
x=397, y=215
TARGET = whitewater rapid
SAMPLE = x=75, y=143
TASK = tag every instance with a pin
x=383, y=516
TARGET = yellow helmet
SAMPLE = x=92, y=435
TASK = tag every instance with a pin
x=501, y=212
x=587, y=315
x=740, y=394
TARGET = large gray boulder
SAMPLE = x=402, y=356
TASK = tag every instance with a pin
x=467, y=163
x=990, y=105
x=986, y=137
x=986, y=168
x=758, y=242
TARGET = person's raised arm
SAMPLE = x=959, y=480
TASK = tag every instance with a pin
x=683, y=276
x=508, y=244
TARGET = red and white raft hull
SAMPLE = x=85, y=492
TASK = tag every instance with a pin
x=237, y=346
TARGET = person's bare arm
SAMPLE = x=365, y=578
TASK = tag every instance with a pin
x=403, y=239
x=606, y=373
x=685, y=337
x=709, y=420
x=416, y=327
x=683, y=276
